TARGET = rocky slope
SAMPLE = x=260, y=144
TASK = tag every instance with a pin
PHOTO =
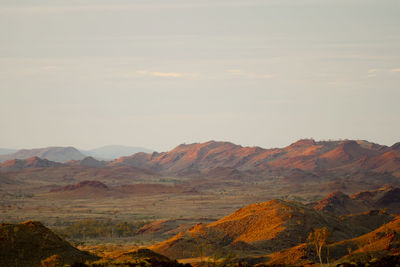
x=30, y=163
x=268, y=227
x=387, y=197
x=29, y=243
x=374, y=247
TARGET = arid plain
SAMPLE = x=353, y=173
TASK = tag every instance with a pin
x=144, y=199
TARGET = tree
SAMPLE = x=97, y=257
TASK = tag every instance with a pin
x=318, y=239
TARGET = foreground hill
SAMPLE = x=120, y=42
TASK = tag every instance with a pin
x=374, y=248
x=276, y=232
x=387, y=197
x=267, y=227
x=29, y=243
x=58, y=154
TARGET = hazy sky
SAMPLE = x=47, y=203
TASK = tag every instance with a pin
x=160, y=73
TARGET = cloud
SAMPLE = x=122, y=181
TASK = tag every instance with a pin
x=237, y=72
x=159, y=4
x=166, y=74
x=372, y=72
x=163, y=74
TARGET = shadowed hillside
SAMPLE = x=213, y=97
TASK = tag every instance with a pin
x=29, y=243
x=368, y=248
x=387, y=197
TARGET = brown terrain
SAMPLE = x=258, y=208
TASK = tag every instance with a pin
x=273, y=232
x=177, y=199
x=339, y=203
x=306, y=155
x=30, y=163
x=265, y=228
x=29, y=243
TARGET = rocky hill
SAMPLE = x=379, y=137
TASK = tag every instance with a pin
x=373, y=248
x=88, y=161
x=30, y=163
x=270, y=226
x=30, y=243
x=387, y=197
x=276, y=232
x=84, y=189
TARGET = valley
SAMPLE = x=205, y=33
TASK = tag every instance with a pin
x=173, y=202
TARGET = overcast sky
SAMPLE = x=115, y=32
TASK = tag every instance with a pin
x=160, y=73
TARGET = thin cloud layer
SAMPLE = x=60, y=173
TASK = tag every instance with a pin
x=165, y=74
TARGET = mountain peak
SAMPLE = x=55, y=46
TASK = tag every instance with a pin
x=303, y=143
x=396, y=146
x=111, y=152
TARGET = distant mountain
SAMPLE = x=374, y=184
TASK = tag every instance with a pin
x=306, y=155
x=4, y=151
x=88, y=161
x=21, y=164
x=58, y=154
x=115, y=151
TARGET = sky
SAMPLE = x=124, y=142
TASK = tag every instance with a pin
x=158, y=73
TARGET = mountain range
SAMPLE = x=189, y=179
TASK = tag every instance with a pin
x=305, y=155
x=64, y=154
x=57, y=154
x=304, y=166
x=111, y=152
x=5, y=151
